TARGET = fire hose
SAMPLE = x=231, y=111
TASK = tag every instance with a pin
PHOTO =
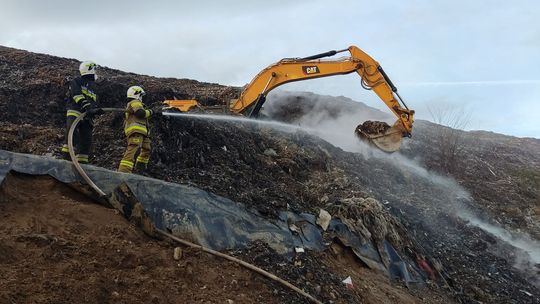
x=102, y=195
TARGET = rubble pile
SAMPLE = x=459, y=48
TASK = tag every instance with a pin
x=372, y=127
x=271, y=170
x=369, y=218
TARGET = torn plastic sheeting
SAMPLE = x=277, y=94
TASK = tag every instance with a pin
x=398, y=268
x=208, y=219
x=361, y=247
x=309, y=236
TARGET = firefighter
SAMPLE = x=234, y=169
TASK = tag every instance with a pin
x=136, y=130
x=81, y=98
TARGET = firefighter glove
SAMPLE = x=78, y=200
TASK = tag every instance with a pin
x=87, y=105
x=95, y=111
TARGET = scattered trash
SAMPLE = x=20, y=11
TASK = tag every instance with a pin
x=526, y=292
x=348, y=282
x=324, y=219
x=299, y=249
x=294, y=228
x=424, y=266
x=177, y=255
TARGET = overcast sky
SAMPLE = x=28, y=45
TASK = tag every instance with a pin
x=481, y=56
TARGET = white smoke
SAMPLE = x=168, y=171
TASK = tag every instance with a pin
x=518, y=240
x=333, y=119
x=339, y=131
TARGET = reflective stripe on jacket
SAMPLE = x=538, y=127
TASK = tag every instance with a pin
x=132, y=123
x=80, y=89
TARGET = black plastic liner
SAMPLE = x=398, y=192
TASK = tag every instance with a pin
x=208, y=219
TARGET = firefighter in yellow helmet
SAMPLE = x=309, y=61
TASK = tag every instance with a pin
x=136, y=130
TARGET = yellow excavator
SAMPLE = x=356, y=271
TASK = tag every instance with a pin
x=385, y=137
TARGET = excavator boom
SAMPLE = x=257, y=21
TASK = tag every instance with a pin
x=372, y=77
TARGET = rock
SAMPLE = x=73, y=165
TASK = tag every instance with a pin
x=324, y=199
x=177, y=255
x=270, y=152
x=324, y=219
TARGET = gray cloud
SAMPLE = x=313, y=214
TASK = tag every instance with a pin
x=416, y=41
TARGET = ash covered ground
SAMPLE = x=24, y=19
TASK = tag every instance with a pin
x=439, y=213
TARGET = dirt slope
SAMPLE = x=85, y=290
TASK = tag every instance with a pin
x=59, y=247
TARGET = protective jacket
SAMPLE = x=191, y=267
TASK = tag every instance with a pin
x=136, y=129
x=136, y=118
x=82, y=95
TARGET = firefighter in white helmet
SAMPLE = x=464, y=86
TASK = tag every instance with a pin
x=81, y=98
x=136, y=129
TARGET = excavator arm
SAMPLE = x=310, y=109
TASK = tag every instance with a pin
x=372, y=77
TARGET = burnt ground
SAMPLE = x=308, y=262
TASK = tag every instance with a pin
x=269, y=170
x=502, y=173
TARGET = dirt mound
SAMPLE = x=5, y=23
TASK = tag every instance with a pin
x=57, y=246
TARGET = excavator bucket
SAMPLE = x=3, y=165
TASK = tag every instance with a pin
x=381, y=134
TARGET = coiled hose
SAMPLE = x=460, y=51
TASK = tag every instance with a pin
x=102, y=194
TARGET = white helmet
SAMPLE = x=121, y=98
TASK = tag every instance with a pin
x=135, y=92
x=88, y=68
